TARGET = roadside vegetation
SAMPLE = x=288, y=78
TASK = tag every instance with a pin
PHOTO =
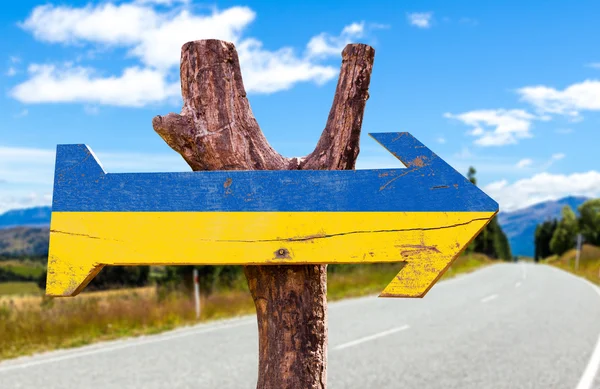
x=31, y=323
x=589, y=262
x=136, y=300
x=555, y=240
x=557, y=236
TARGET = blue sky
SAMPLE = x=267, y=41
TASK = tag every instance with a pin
x=512, y=87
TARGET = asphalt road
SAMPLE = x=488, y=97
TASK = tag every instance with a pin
x=505, y=326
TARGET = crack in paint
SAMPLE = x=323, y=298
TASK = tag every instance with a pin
x=75, y=234
x=322, y=236
x=84, y=235
x=395, y=178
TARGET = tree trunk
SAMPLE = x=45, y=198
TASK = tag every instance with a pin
x=216, y=130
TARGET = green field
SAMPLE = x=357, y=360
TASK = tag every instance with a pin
x=24, y=268
x=19, y=288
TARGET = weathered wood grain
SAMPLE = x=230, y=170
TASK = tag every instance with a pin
x=295, y=219
x=426, y=241
x=427, y=185
x=216, y=130
x=423, y=215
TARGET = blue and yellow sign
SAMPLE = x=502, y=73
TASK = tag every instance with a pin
x=424, y=215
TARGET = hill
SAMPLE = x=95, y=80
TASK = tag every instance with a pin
x=520, y=225
x=24, y=241
x=30, y=217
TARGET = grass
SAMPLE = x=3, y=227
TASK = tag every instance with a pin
x=360, y=280
x=18, y=288
x=589, y=262
x=24, y=268
x=32, y=323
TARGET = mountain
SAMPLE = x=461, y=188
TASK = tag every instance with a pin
x=30, y=217
x=24, y=241
x=520, y=225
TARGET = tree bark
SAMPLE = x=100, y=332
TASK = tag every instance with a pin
x=216, y=130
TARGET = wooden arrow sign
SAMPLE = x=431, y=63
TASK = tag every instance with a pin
x=424, y=215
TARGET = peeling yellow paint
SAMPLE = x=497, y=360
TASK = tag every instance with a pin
x=82, y=242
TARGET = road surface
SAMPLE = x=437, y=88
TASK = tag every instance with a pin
x=505, y=326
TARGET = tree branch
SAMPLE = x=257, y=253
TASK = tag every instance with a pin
x=338, y=146
x=216, y=130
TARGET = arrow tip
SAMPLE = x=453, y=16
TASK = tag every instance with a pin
x=406, y=148
x=77, y=159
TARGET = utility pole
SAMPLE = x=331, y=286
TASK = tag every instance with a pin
x=578, y=253
x=197, y=293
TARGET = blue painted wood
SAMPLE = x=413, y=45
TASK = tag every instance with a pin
x=428, y=184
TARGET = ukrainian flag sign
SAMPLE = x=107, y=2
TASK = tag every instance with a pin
x=424, y=215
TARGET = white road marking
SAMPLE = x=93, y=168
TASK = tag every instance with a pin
x=517, y=284
x=587, y=379
x=371, y=337
x=489, y=298
x=129, y=343
x=589, y=375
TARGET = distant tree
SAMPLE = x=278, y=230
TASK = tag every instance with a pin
x=502, y=244
x=564, y=236
x=543, y=235
x=41, y=281
x=111, y=277
x=492, y=241
x=211, y=278
x=589, y=221
x=471, y=175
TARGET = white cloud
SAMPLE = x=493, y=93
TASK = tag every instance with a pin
x=134, y=88
x=22, y=113
x=497, y=127
x=36, y=166
x=543, y=187
x=105, y=23
x=595, y=65
x=160, y=46
x=91, y=109
x=583, y=96
x=527, y=162
x=464, y=153
x=554, y=158
x=26, y=174
x=524, y=163
x=18, y=199
x=268, y=71
x=26, y=165
x=564, y=131
x=154, y=37
x=441, y=140
x=420, y=19
x=162, y=2
x=378, y=161
x=11, y=71
x=327, y=45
